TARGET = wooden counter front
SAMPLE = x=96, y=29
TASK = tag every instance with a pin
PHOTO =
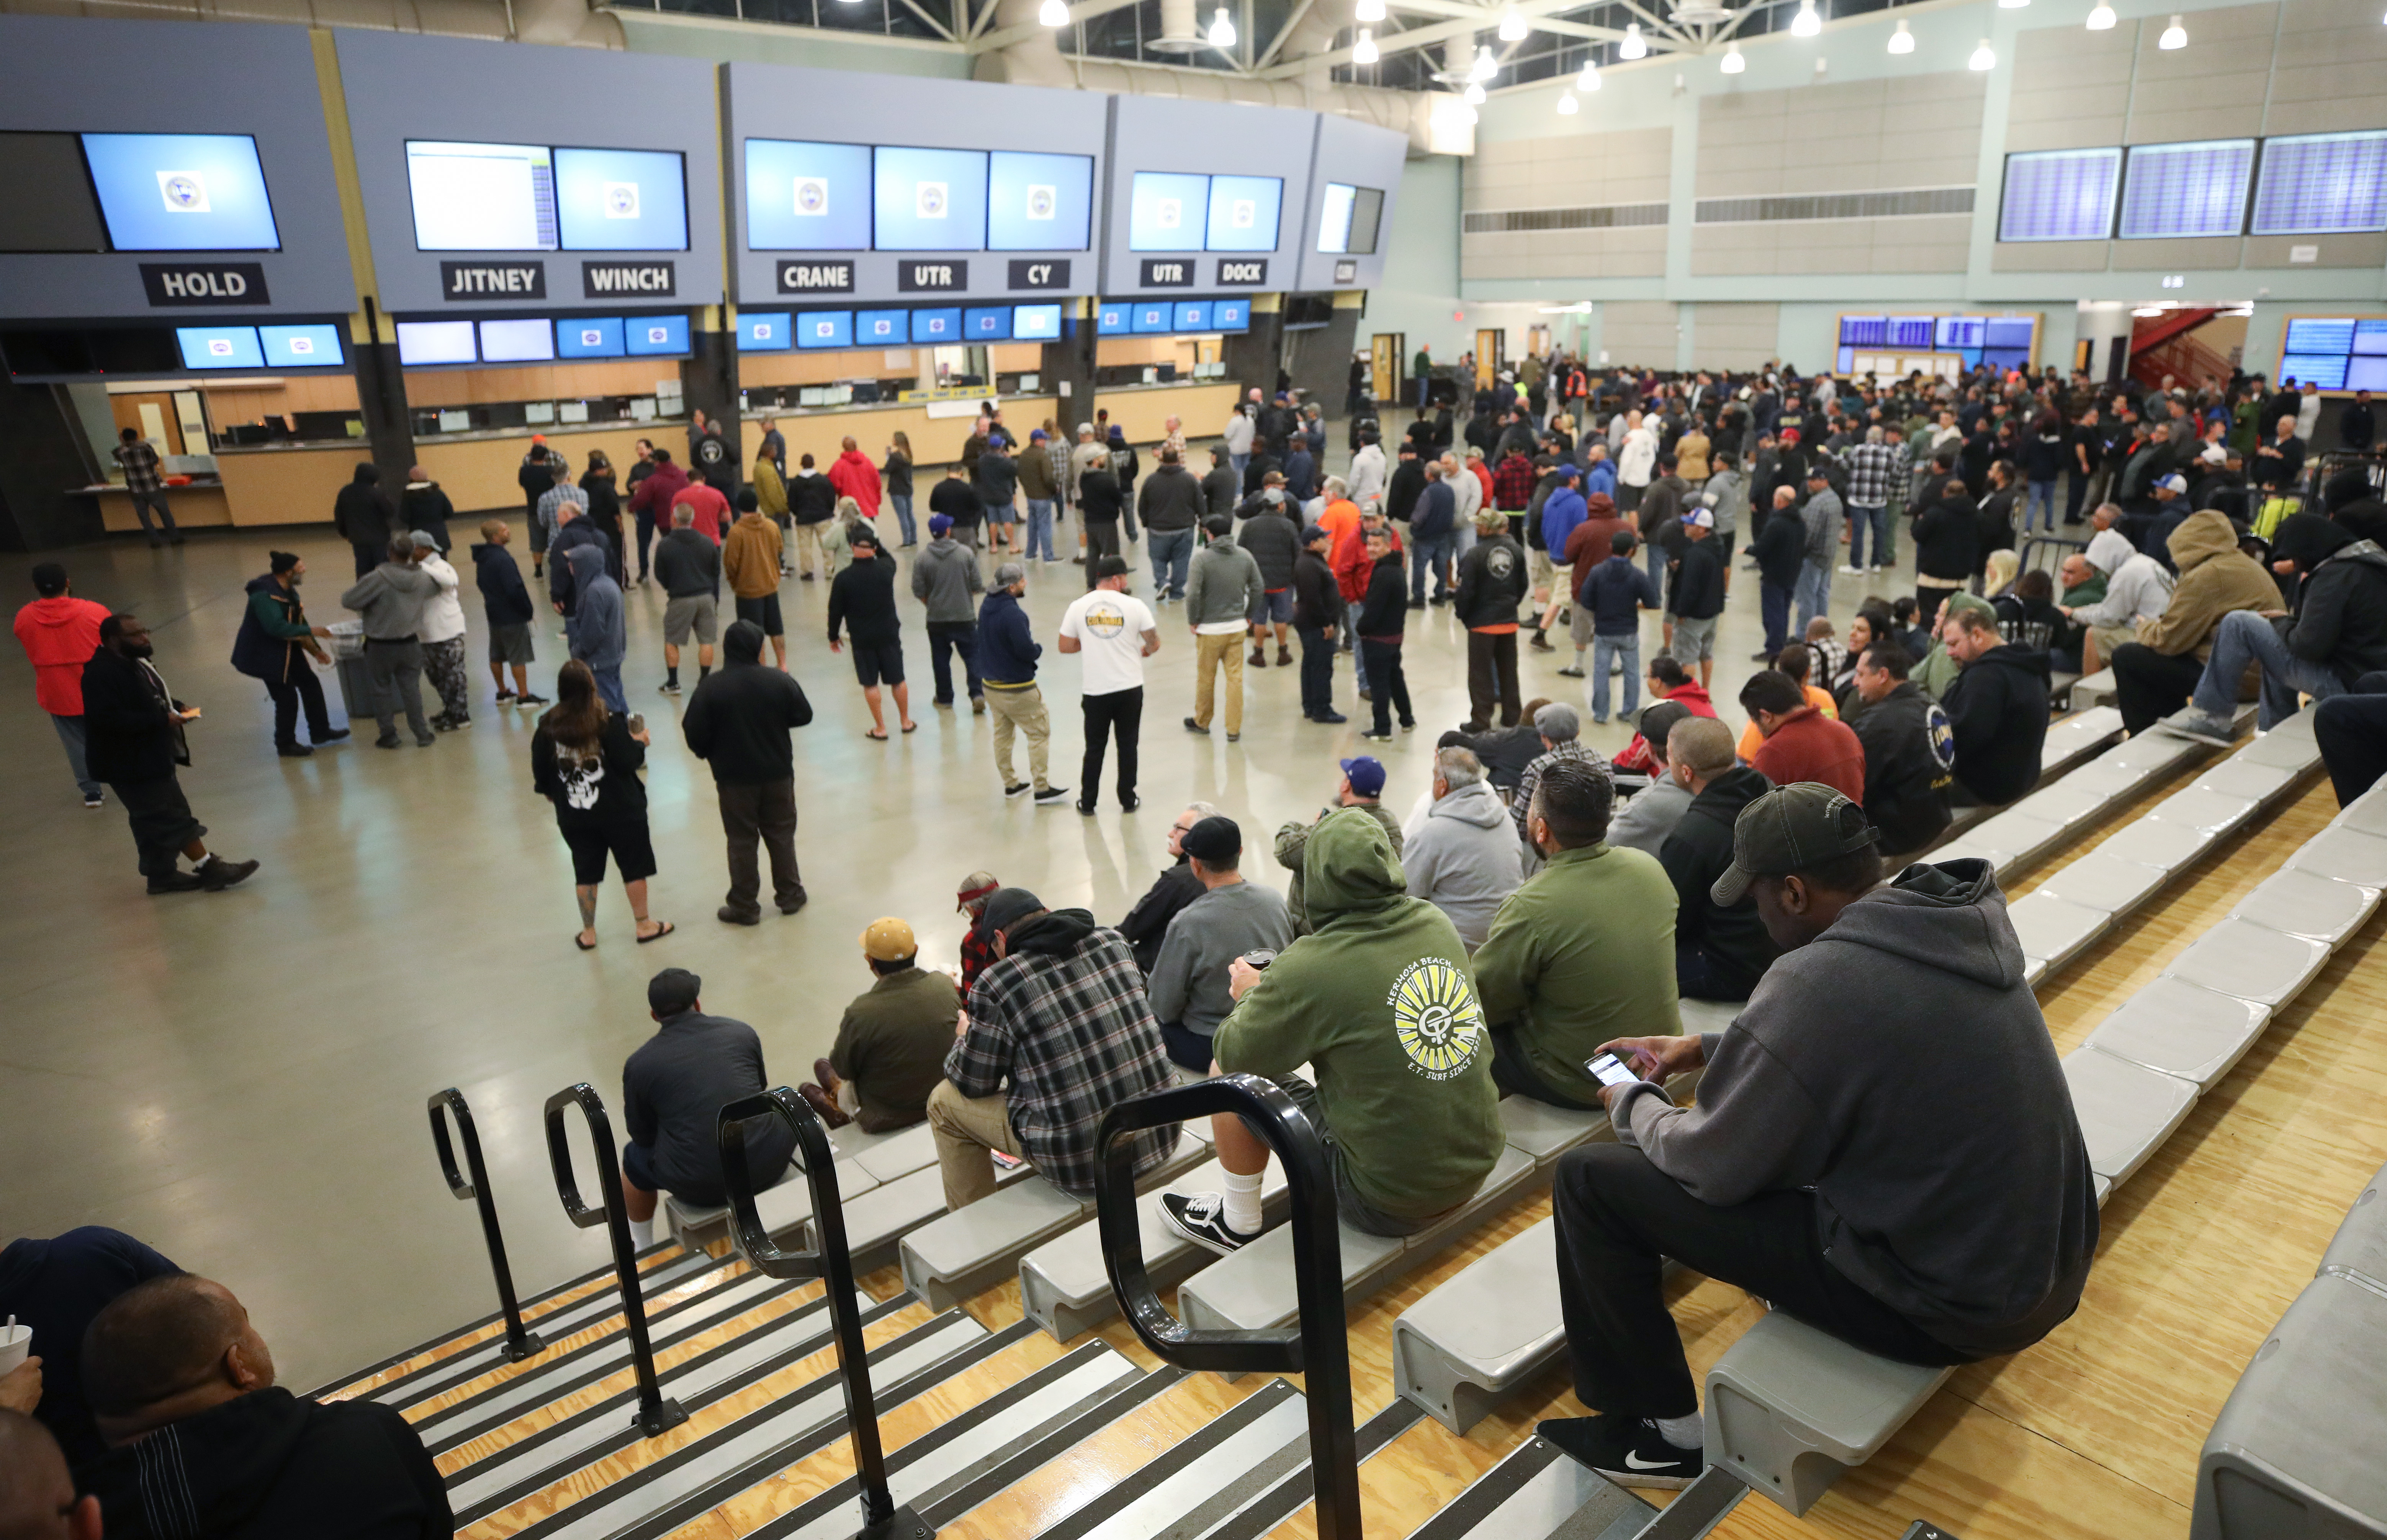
x=1140, y=410
x=193, y=507
x=288, y=486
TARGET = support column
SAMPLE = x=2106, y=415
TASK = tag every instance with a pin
x=38, y=462
x=1068, y=366
x=381, y=395
x=708, y=376
x=1253, y=357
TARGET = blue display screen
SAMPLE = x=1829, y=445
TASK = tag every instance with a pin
x=590, y=337
x=882, y=328
x=426, y=342
x=181, y=192
x=932, y=327
x=2325, y=369
x=1230, y=315
x=301, y=347
x=764, y=333
x=220, y=348
x=987, y=323
x=1193, y=315
x=1149, y=315
x=2011, y=331
x=2307, y=334
x=621, y=200
x=1244, y=211
x=1038, y=202
x=824, y=329
x=1035, y=323
x=929, y=200
x=1167, y=211
x=803, y=196
x=655, y=335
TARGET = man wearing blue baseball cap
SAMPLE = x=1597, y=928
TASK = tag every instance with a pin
x=1363, y=786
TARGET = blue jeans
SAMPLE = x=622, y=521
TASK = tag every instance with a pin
x=1603, y=651
x=1172, y=553
x=1860, y=518
x=1429, y=554
x=1814, y=593
x=2242, y=637
x=70, y=734
x=609, y=688
x=1239, y=462
x=1039, y=529
x=1774, y=604
x=902, y=502
x=2041, y=495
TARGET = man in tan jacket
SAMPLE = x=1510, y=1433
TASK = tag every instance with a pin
x=750, y=559
x=2155, y=675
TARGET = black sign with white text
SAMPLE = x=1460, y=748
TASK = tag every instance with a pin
x=1168, y=273
x=638, y=280
x=205, y=282
x=1040, y=275
x=1242, y=270
x=932, y=277
x=468, y=281
x=815, y=277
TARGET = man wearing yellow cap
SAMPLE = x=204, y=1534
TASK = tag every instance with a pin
x=890, y=1048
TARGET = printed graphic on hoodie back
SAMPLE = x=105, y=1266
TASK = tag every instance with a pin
x=1435, y=1011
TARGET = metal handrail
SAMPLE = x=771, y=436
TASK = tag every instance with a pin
x=520, y=1343
x=831, y=1259
x=656, y=1412
x=1318, y=1345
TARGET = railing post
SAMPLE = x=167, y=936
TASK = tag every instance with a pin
x=520, y=1343
x=656, y=1413
x=831, y=1260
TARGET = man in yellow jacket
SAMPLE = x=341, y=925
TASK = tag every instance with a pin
x=750, y=559
x=771, y=498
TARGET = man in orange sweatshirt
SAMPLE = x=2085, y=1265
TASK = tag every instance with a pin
x=60, y=633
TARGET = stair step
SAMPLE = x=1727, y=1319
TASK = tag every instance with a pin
x=1532, y=1494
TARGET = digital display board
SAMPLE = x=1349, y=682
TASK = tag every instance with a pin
x=1035, y=323
x=936, y=328
x=1243, y=212
x=824, y=329
x=1038, y=202
x=181, y=192
x=301, y=347
x=1347, y=219
x=1149, y=315
x=2365, y=371
x=220, y=346
x=764, y=333
x=1111, y=317
x=2059, y=196
x=2185, y=189
x=2325, y=369
x=481, y=197
x=430, y=342
x=590, y=337
x=987, y=323
x=1230, y=315
x=1192, y=315
x=659, y=336
x=2307, y=334
x=2322, y=184
x=2335, y=352
x=928, y=200
x=803, y=196
x=531, y=340
x=1167, y=211
x=621, y=200
x=882, y=328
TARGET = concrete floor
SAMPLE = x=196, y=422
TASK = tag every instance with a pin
x=239, y=1078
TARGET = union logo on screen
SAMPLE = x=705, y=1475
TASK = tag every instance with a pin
x=184, y=192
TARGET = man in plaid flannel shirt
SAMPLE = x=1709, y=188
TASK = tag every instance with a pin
x=139, y=458
x=1873, y=467
x=1062, y=1017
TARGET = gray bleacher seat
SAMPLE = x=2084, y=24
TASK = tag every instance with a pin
x=2076, y=737
x=783, y=1207
x=2169, y=847
x=1543, y=1132
x=2306, y=903
x=1459, y=1351
x=2006, y=840
x=1790, y=1407
x=900, y=1153
x=2360, y=1246
x=2294, y=1454
x=2192, y=1033
x=2345, y=855
x=2238, y=776
x=2251, y=961
x=1066, y=1289
x=2093, y=689
x=2208, y=812
x=2104, y=1188
x=2364, y=814
x=2148, y=754
x=2126, y=1109
x=2054, y=930
x=1707, y=1016
x=876, y=1222
x=2287, y=751
x=2104, y=881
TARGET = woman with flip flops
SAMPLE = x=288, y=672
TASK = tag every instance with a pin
x=585, y=759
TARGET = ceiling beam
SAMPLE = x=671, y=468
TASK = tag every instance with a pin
x=1472, y=19
x=1489, y=20
x=1284, y=33
x=1085, y=10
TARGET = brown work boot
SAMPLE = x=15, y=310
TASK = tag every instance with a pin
x=1283, y=657
x=1259, y=658
x=824, y=1104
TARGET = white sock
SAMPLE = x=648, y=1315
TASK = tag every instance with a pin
x=642, y=1233
x=201, y=864
x=1243, y=1214
x=1684, y=1433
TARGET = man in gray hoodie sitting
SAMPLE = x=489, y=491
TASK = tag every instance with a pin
x=1883, y=1144
x=1231, y=918
x=1464, y=857
x=390, y=598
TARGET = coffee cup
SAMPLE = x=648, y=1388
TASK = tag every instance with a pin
x=16, y=1342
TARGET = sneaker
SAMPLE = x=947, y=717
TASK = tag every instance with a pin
x=445, y=724
x=1235, y=737
x=527, y=701
x=1854, y=572
x=1417, y=604
x=387, y=741
x=1542, y=643
x=176, y=882
x=1409, y=727
x=1194, y=727
x=1763, y=657
x=221, y=874
x=1329, y=718
x=669, y=686
x=1570, y=672
x=1053, y=796
x=1016, y=789
x=1628, y=1451
x=1201, y=1217
x=977, y=705
x=1130, y=803
x=1377, y=737
x=504, y=696
x=2189, y=721
x=96, y=800
x=287, y=750
x=728, y=916
x=1366, y=695
x=791, y=905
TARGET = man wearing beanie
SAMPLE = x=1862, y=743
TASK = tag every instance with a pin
x=1233, y=919
x=673, y=1087
x=273, y=632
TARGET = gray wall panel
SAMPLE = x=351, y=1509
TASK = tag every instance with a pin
x=1154, y=134
x=1357, y=155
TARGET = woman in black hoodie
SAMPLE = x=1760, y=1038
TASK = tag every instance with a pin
x=605, y=511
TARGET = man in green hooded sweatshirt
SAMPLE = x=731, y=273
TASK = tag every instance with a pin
x=1378, y=999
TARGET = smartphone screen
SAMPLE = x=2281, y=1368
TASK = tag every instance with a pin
x=1608, y=1069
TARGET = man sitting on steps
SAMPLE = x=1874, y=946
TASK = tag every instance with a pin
x=1907, y=1177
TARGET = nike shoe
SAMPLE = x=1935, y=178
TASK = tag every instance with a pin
x=1628, y=1451
x=1201, y=1217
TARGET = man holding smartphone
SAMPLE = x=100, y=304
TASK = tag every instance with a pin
x=1883, y=1144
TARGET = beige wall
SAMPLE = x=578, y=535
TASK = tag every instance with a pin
x=1736, y=336
x=1572, y=171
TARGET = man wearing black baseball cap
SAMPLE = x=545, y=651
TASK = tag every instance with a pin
x=1883, y=1144
x=1230, y=919
x=671, y=1090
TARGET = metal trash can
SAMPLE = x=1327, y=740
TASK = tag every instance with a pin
x=356, y=687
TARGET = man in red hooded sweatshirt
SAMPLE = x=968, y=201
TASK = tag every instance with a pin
x=855, y=476
x=60, y=633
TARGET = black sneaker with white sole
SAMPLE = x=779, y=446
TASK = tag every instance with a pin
x=1053, y=796
x=1201, y=1217
x=1017, y=789
x=1629, y=1451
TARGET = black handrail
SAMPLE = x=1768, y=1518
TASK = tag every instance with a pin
x=1318, y=1345
x=656, y=1412
x=831, y=1259
x=520, y=1343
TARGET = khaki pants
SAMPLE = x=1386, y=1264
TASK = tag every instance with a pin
x=965, y=1129
x=809, y=557
x=1021, y=711
x=1208, y=653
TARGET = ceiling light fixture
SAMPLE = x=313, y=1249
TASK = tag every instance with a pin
x=1485, y=64
x=1566, y=104
x=1733, y=62
x=1473, y=94
x=2102, y=20
x=1512, y=26
x=1368, y=11
x=1984, y=57
x=1806, y=24
x=1633, y=46
x=1364, y=51
x=2174, y=37
x=1222, y=32
x=1902, y=41
x=1054, y=13
x=1589, y=79
x=2012, y=5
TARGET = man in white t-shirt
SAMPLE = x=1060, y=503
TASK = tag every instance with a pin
x=1116, y=632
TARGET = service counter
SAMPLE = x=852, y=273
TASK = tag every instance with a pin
x=280, y=484
x=937, y=429
x=1140, y=411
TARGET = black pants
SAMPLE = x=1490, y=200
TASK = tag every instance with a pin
x=2149, y=686
x=1619, y=1218
x=1120, y=709
x=369, y=554
x=2352, y=732
x=161, y=820
x=1388, y=688
x=765, y=812
x=646, y=535
x=1927, y=601
x=946, y=637
x=1317, y=670
x=1515, y=1075
x=300, y=688
x=1102, y=539
x=1492, y=676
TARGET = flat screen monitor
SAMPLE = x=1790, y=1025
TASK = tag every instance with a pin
x=987, y=323
x=181, y=192
x=1191, y=315
x=2365, y=371
x=1150, y=315
x=824, y=329
x=2319, y=334
x=531, y=340
x=928, y=200
x=301, y=347
x=1038, y=202
x=2059, y=196
x=220, y=346
x=49, y=206
x=1035, y=323
x=2370, y=336
x=2011, y=331
x=1111, y=317
x=1955, y=333
x=1243, y=212
x=1167, y=211
x=2325, y=369
x=428, y=342
x=2318, y=183
x=803, y=196
x=590, y=337
x=621, y=200
x=763, y=334
x=1347, y=219
x=655, y=336
x=882, y=328
x=481, y=197
x=1230, y=315
x=938, y=328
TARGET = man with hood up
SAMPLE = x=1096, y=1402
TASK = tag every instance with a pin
x=739, y=721
x=1912, y=1181
x=1464, y=859
x=60, y=633
x=2337, y=633
x=853, y=475
x=1379, y=1001
x=595, y=633
x=2155, y=675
